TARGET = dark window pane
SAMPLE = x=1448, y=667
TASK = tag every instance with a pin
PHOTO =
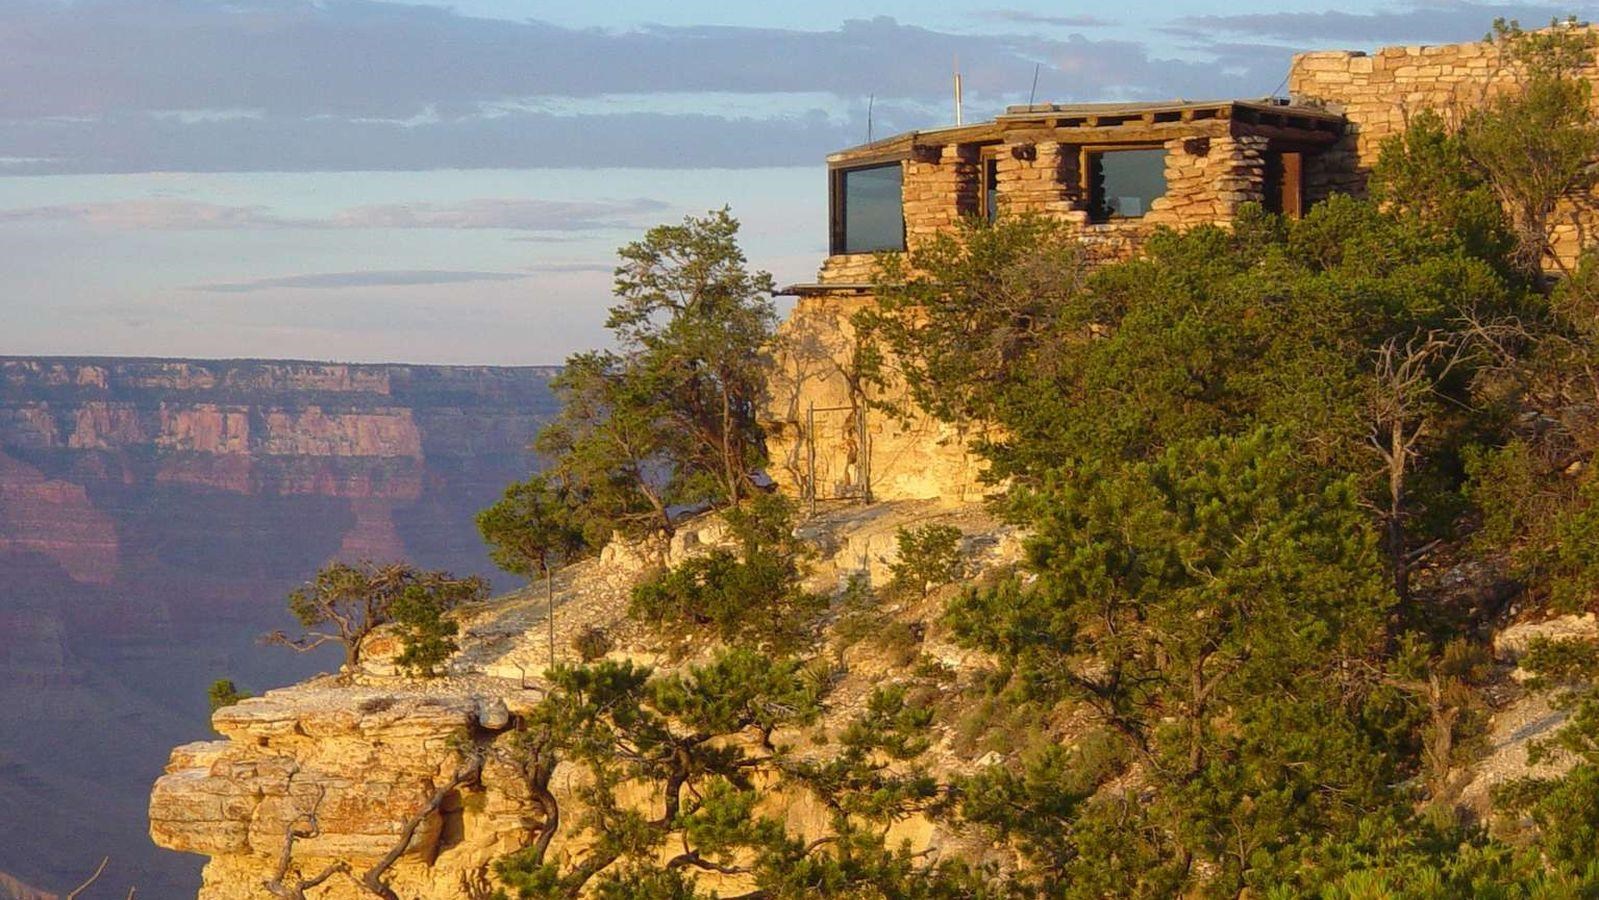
x=991, y=189
x=874, y=211
x=1128, y=181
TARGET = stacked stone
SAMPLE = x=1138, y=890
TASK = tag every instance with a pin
x=1043, y=178
x=940, y=187
x=848, y=268
x=1207, y=178
x=1379, y=94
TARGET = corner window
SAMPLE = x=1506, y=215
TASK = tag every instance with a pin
x=868, y=209
x=1123, y=183
x=990, y=188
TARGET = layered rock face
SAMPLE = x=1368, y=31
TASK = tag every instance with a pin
x=365, y=752
x=361, y=760
x=153, y=514
x=824, y=435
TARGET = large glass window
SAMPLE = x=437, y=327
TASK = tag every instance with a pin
x=1123, y=183
x=869, y=209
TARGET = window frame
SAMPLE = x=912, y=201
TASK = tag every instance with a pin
x=1283, y=177
x=988, y=183
x=836, y=203
x=1085, y=162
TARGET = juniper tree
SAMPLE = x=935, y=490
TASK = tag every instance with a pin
x=670, y=417
x=1216, y=613
x=346, y=602
x=703, y=744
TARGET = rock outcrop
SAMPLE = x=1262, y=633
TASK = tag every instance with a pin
x=815, y=433
x=366, y=753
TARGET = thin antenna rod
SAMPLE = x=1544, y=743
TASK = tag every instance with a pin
x=870, y=99
x=958, y=90
x=1034, y=92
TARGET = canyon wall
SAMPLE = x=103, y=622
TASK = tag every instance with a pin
x=154, y=513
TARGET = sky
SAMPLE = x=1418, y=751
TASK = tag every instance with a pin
x=448, y=182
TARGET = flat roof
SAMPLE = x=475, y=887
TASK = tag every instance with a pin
x=1265, y=105
x=1163, y=118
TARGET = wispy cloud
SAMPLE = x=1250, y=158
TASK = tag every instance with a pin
x=164, y=214
x=574, y=268
x=1027, y=17
x=338, y=280
x=522, y=215
x=143, y=215
x=1436, y=21
x=153, y=85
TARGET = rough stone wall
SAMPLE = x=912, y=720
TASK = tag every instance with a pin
x=1039, y=178
x=940, y=190
x=909, y=460
x=1208, y=177
x=848, y=268
x=1381, y=91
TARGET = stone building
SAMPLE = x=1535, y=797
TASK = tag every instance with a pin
x=1116, y=172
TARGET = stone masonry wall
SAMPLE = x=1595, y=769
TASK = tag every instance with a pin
x=1209, y=174
x=1381, y=91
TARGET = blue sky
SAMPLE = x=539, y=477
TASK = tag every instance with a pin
x=447, y=182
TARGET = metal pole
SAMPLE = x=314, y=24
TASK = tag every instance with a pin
x=549, y=599
x=810, y=438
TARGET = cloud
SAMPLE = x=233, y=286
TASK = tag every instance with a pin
x=1026, y=17
x=337, y=280
x=574, y=268
x=144, y=215
x=522, y=215
x=1441, y=21
x=93, y=86
x=161, y=214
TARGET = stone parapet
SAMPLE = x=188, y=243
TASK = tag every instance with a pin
x=1379, y=94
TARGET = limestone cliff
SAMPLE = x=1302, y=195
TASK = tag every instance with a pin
x=814, y=420
x=365, y=754
x=153, y=513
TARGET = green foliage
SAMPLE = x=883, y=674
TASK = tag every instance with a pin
x=537, y=525
x=929, y=556
x=1425, y=172
x=224, y=693
x=694, y=743
x=1534, y=145
x=670, y=416
x=346, y=602
x=962, y=311
x=427, y=638
x=748, y=594
x=1274, y=322
x=1208, y=608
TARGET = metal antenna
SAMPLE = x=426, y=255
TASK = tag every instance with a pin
x=870, y=99
x=958, y=90
x=1034, y=92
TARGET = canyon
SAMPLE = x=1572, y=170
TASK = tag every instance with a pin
x=154, y=513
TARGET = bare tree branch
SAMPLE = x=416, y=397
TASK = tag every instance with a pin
x=75, y=892
x=372, y=880
x=277, y=885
